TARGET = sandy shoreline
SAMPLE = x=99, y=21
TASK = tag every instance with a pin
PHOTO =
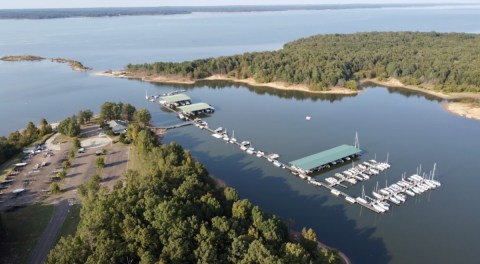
x=465, y=109
x=282, y=85
x=394, y=83
x=468, y=110
x=249, y=81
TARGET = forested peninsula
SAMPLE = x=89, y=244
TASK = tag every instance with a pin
x=170, y=211
x=442, y=62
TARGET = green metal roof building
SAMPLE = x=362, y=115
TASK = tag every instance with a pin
x=171, y=99
x=197, y=108
x=317, y=161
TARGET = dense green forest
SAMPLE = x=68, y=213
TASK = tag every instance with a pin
x=173, y=213
x=448, y=62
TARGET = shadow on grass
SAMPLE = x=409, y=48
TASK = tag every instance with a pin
x=23, y=227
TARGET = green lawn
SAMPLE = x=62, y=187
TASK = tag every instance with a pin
x=71, y=222
x=23, y=227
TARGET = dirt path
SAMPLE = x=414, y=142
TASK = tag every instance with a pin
x=50, y=235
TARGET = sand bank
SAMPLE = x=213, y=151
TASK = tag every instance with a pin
x=468, y=110
x=249, y=81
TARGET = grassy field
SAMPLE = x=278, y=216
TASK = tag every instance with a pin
x=61, y=139
x=24, y=227
x=71, y=222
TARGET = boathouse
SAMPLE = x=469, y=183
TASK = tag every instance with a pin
x=325, y=158
x=175, y=100
x=196, y=109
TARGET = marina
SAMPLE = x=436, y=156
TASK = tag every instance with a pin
x=380, y=202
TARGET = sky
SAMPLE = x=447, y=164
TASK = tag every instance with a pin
x=11, y=4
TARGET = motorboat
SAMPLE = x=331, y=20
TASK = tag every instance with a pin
x=335, y=192
x=361, y=200
x=394, y=200
x=350, y=199
x=407, y=191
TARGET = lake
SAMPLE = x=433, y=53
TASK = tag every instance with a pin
x=437, y=227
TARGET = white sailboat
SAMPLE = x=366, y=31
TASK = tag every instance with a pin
x=232, y=138
x=225, y=135
x=362, y=199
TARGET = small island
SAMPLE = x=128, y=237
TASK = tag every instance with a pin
x=75, y=65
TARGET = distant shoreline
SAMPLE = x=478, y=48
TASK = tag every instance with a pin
x=74, y=65
x=58, y=13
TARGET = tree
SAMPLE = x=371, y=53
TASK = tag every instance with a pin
x=55, y=188
x=107, y=111
x=66, y=164
x=295, y=254
x=76, y=144
x=62, y=174
x=30, y=133
x=100, y=163
x=84, y=116
x=308, y=240
x=143, y=117
x=45, y=128
x=128, y=112
x=69, y=127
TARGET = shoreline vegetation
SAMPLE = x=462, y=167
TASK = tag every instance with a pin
x=74, y=65
x=466, y=109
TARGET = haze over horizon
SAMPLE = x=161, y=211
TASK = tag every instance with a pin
x=24, y=4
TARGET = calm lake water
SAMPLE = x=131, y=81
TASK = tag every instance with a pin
x=438, y=227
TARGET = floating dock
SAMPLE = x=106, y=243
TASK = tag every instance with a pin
x=195, y=109
x=325, y=158
x=175, y=100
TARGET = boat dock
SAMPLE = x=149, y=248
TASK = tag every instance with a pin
x=326, y=159
x=302, y=167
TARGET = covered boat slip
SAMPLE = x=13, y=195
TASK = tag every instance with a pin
x=195, y=109
x=176, y=99
x=320, y=160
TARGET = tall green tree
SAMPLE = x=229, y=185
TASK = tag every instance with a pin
x=100, y=163
x=84, y=116
x=142, y=117
x=45, y=128
x=69, y=127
